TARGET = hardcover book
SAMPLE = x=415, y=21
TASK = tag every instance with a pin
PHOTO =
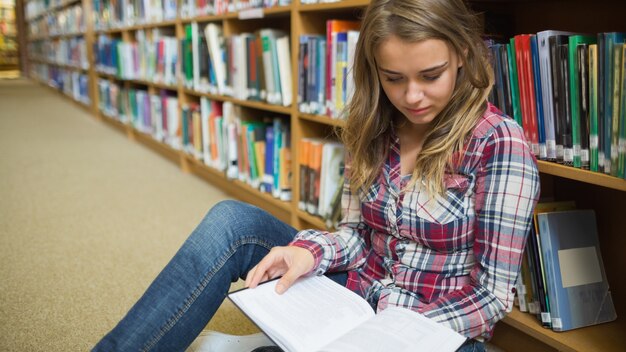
x=578, y=288
x=317, y=314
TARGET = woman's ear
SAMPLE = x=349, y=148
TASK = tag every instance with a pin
x=462, y=58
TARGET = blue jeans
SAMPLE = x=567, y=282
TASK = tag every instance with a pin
x=231, y=239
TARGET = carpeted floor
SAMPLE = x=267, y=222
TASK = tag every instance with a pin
x=87, y=220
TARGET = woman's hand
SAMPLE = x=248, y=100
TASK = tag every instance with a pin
x=290, y=262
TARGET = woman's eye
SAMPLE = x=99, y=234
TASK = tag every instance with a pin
x=392, y=79
x=432, y=77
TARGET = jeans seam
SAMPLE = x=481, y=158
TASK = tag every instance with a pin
x=171, y=322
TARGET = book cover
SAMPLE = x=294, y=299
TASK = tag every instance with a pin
x=621, y=169
x=514, y=82
x=317, y=314
x=534, y=52
x=594, y=164
x=332, y=28
x=615, y=106
x=579, y=290
x=577, y=93
x=606, y=57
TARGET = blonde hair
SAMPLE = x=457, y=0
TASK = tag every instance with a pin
x=368, y=129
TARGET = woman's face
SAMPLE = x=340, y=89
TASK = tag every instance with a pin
x=418, y=78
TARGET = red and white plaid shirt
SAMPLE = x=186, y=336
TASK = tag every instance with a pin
x=454, y=258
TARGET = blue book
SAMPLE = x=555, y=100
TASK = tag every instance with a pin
x=534, y=50
x=268, y=176
x=577, y=285
x=606, y=42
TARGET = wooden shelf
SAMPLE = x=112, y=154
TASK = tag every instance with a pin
x=325, y=120
x=338, y=5
x=586, y=176
x=606, y=337
x=314, y=221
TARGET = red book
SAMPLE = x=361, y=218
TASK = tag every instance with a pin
x=527, y=90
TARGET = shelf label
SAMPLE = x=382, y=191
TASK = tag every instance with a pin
x=250, y=13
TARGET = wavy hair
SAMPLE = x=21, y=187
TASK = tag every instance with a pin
x=368, y=129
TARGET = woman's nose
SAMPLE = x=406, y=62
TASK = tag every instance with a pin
x=414, y=93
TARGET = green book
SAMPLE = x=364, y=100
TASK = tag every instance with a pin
x=593, y=108
x=621, y=168
x=515, y=99
x=187, y=55
x=575, y=66
x=615, y=116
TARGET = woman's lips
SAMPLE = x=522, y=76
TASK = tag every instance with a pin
x=419, y=111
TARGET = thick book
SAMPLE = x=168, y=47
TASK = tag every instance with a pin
x=317, y=314
x=578, y=287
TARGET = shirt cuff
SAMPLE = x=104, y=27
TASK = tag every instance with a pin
x=316, y=249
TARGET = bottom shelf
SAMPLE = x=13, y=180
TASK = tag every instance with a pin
x=603, y=337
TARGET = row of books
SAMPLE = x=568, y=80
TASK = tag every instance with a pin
x=325, y=82
x=563, y=281
x=256, y=152
x=321, y=178
x=34, y=8
x=122, y=13
x=155, y=114
x=254, y=66
x=219, y=134
x=111, y=14
x=70, y=52
x=568, y=91
x=72, y=83
x=152, y=59
x=68, y=21
x=195, y=8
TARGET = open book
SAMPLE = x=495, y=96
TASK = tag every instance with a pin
x=317, y=314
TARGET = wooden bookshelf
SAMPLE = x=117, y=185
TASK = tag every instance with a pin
x=606, y=194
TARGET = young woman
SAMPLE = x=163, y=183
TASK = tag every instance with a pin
x=437, y=204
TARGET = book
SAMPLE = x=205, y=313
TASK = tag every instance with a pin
x=317, y=314
x=578, y=66
x=579, y=290
x=594, y=164
x=545, y=68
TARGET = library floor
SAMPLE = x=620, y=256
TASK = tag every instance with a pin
x=87, y=220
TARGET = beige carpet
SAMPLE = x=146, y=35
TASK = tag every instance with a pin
x=87, y=220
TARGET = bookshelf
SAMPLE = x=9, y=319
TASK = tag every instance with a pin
x=606, y=194
x=9, y=59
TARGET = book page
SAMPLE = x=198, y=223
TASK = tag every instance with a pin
x=398, y=329
x=310, y=314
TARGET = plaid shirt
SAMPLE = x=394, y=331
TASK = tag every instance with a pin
x=454, y=257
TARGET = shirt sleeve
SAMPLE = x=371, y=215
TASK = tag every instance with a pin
x=344, y=249
x=507, y=191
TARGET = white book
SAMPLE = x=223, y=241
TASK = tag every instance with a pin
x=267, y=35
x=173, y=123
x=353, y=37
x=205, y=111
x=215, y=39
x=332, y=162
x=284, y=67
x=545, y=68
x=240, y=69
x=317, y=314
